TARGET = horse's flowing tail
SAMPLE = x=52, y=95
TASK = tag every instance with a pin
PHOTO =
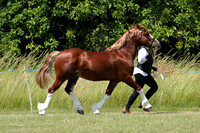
x=42, y=76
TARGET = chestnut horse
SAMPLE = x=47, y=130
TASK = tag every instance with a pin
x=115, y=64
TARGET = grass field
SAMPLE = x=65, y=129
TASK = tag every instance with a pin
x=107, y=122
x=176, y=103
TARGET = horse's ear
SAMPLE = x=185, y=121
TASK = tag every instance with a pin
x=138, y=26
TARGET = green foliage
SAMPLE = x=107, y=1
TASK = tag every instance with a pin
x=94, y=25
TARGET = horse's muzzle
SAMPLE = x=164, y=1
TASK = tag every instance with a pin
x=155, y=44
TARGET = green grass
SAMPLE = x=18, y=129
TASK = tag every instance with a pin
x=176, y=103
x=107, y=122
x=174, y=91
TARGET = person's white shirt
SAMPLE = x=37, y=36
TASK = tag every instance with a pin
x=142, y=53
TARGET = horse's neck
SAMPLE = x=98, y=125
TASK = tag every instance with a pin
x=130, y=49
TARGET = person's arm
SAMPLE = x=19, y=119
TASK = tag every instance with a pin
x=143, y=56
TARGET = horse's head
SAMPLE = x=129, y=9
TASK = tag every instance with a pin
x=146, y=39
x=139, y=35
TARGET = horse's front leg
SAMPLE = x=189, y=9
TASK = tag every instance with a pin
x=145, y=103
x=96, y=107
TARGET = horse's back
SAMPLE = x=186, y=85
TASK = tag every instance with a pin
x=89, y=65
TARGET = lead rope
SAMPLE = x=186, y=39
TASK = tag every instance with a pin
x=159, y=71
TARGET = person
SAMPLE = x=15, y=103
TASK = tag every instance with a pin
x=142, y=73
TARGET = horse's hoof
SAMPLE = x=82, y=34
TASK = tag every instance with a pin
x=96, y=112
x=80, y=112
x=140, y=106
x=42, y=112
x=145, y=103
x=148, y=109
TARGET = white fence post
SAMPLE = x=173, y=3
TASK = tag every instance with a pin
x=28, y=89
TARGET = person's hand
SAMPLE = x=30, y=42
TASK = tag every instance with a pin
x=148, y=56
x=154, y=68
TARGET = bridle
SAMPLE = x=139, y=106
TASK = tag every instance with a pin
x=151, y=40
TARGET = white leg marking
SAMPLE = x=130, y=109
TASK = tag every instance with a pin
x=96, y=107
x=77, y=104
x=145, y=102
x=43, y=106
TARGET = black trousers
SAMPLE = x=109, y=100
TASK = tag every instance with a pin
x=141, y=81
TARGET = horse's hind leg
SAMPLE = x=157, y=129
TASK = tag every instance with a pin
x=43, y=106
x=69, y=89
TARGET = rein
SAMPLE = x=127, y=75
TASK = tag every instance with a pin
x=141, y=33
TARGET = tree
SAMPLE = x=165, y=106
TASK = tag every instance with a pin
x=94, y=25
x=175, y=23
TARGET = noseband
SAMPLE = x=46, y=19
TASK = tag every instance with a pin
x=151, y=41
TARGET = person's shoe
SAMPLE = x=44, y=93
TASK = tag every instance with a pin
x=126, y=111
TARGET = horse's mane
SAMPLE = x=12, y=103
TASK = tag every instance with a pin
x=132, y=32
